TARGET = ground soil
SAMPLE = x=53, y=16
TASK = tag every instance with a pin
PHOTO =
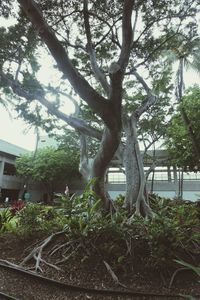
x=92, y=273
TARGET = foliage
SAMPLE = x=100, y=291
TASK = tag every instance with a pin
x=69, y=141
x=50, y=166
x=118, y=239
x=177, y=140
x=16, y=206
x=189, y=266
x=78, y=205
x=194, y=269
x=174, y=227
x=172, y=232
x=5, y=218
x=35, y=217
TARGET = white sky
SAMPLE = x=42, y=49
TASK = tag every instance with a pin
x=15, y=130
x=12, y=131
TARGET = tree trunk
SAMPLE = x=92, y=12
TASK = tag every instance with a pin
x=136, y=195
x=36, y=142
x=97, y=167
x=85, y=162
x=109, y=144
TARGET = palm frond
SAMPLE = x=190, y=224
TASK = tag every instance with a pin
x=170, y=56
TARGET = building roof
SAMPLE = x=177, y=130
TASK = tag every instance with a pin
x=11, y=148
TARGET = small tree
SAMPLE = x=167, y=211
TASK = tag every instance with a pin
x=50, y=166
x=178, y=142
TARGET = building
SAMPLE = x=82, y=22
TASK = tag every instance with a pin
x=10, y=184
x=165, y=180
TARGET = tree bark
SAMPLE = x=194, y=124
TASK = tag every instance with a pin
x=109, y=144
x=97, y=167
x=85, y=165
x=136, y=195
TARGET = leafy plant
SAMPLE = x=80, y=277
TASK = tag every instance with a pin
x=193, y=268
x=189, y=266
x=178, y=142
x=17, y=206
x=5, y=218
x=174, y=227
x=29, y=216
x=35, y=217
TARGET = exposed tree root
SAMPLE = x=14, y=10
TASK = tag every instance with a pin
x=113, y=275
x=36, y=253
x=8, y=263
x=65, y=258
x=56, y=248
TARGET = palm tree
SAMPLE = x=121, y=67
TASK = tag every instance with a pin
x=187, y=54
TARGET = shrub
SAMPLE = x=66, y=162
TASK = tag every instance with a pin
x=17, y=206
x=36, y=217
x=173, y=229
x=5, y=218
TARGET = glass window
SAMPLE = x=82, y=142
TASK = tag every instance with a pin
x=9, y=169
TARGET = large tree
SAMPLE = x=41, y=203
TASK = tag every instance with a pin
x=123, y=30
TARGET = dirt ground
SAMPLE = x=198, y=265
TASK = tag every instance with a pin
x=92, y=272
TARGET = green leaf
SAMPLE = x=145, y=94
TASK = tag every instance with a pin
x=189, y=266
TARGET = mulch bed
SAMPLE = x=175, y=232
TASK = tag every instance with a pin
x=92, y=273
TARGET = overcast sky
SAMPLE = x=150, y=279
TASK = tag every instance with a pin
x=15, y=130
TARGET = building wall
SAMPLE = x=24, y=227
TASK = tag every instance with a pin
x=165, y=188
x=10, y=184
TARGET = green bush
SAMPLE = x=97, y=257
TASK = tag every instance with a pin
x=5, y=220
x=174, y=227
x=118, y=238
x=167, y=235
x=36, y=217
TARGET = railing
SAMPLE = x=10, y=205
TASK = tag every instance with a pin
x=169, y=174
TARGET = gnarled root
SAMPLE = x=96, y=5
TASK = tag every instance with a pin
x=36, y=253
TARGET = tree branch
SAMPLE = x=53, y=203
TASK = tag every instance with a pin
x=70, y=120
x=151, y=98
x=96, y=102
x=97, y=72
x=127, y=34
x=134, y=26
x=142, y=81
x=72, y=99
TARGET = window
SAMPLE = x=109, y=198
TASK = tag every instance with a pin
x=116, y=176
x=9, y=169
x=191, y=176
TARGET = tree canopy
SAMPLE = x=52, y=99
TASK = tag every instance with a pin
x=178, y=142
x=50, y=166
